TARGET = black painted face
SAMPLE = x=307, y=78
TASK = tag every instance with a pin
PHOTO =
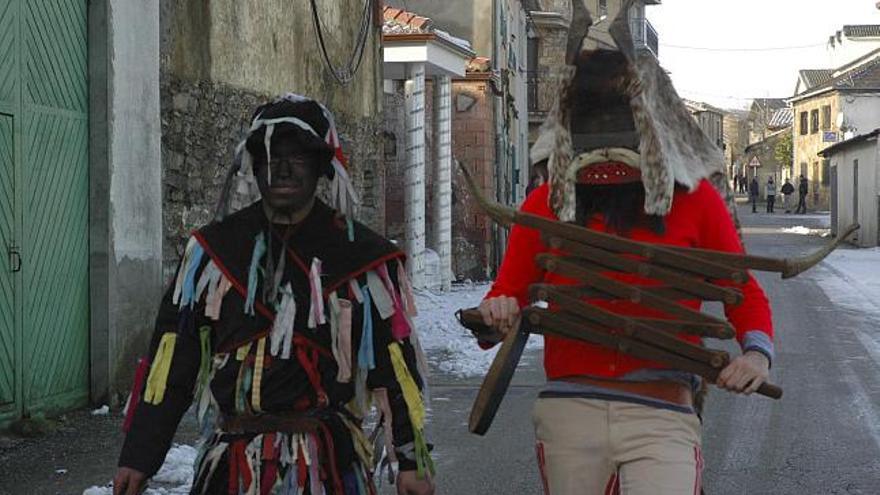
x=294, y=179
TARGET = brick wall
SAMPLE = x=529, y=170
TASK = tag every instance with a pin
x=473, y=144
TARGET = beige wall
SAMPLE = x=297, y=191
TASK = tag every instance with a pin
x=270, y=47
x=807, y=147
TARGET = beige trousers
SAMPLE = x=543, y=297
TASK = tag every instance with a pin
x=590, y=446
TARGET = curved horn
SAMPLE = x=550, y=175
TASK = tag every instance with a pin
x=794, y=266
x=577, y=31
x=621, y=32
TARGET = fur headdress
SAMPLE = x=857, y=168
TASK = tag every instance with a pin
x=664, y=141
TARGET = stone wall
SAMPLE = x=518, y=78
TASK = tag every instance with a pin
x=220, y=60
x=394, y=136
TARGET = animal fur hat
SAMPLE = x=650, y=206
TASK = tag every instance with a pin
x=663, y=140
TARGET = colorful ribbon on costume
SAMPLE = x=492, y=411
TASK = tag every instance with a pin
x=135, y=396
x=343, y=374
x=259, y=361
x=209, y=278
x=406, y=291
x=214, y=300
x=366, y=356
x=258, y=253
x=380, y=295
x=316, y=312
x=188, y=292
x=400, y=327
x=159, y=370
x=182, y=270
x=415, y=407
x=282, y=328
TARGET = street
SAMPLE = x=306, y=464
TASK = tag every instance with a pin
x=823, y=437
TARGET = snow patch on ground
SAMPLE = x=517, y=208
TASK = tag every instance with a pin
x=101, y=411
x=853, y=279
x=450, y=347
x=176, y=473
x=801, y=230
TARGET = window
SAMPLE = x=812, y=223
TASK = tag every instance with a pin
x=826, y=172
x=826, y=117
x=804, y=169
x=603, y=7
x=814, y=121
x=804, y=124
x=532, y=74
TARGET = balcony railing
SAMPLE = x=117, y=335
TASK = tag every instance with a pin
x=644, y=35
x=532, y=81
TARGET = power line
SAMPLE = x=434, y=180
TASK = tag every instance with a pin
x=731, y=49
x=594, y=29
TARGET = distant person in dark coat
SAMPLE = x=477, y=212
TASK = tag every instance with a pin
x=803, y=188
x=787, y=190
x=753, y=194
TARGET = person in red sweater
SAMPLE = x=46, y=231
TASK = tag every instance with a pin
x=607, y=422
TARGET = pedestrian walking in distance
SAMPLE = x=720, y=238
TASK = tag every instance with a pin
x=754, y=190
x=285, y=321
x=770, y=193
x=787, y=190
x=803, y=188
x=606, y=421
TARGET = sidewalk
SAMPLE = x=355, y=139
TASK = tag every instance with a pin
x=72, y=453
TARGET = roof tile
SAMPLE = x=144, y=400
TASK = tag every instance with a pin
x=862, y=31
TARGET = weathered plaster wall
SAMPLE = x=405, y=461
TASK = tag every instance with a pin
x=866, y=214
x=125, y=197
x=222, y=58
x=394, y=137
x=862, y=111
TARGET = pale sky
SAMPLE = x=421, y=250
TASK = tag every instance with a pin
x=729, y=78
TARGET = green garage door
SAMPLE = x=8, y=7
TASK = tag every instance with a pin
x=43, y=206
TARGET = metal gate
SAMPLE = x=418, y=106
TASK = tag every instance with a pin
x=43, y=206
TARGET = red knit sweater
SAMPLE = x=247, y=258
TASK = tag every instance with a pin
x=698, y=219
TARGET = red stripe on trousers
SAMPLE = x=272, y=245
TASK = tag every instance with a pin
x=542, y=466
x=698, y=457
